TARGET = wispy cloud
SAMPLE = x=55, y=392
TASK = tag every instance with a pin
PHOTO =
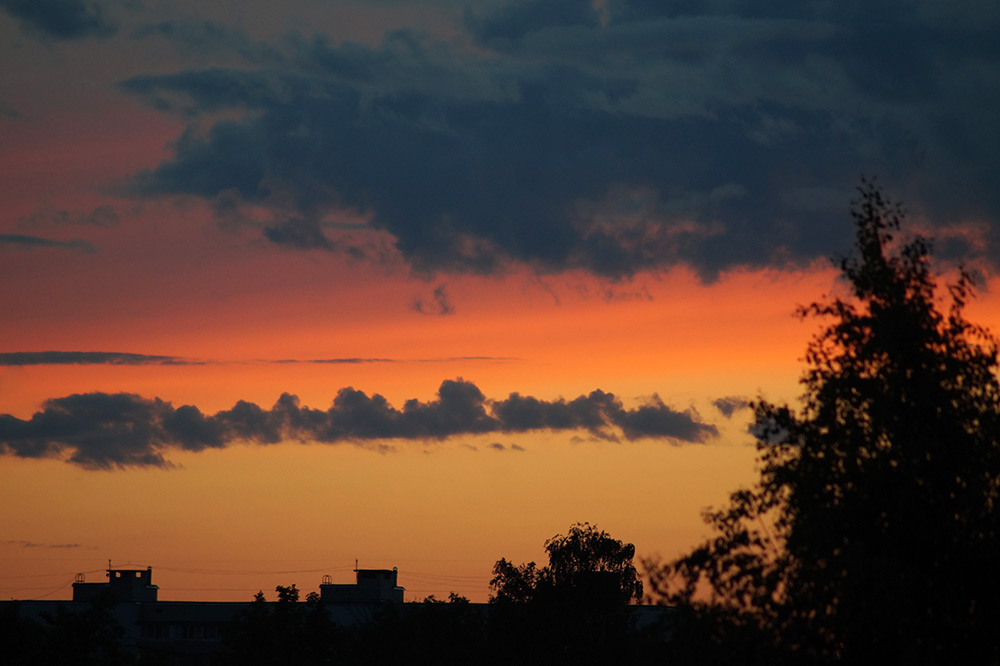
x=126, y=358
x=361, y=360
x=90, y=358
x=37, y=242
x=107, y=431
x=32, y=544
x=101, y=216
x=440, y=304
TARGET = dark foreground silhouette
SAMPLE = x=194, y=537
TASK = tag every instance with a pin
x=873, y=532
x=575, y=610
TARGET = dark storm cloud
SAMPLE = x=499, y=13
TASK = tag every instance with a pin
x=205, y=38
x=610, y=137
x=298, y=234
x=511, y=22
x=108, y=431
x=34, y=242
x=61, y=19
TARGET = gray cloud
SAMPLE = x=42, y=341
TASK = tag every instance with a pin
x=8, y=111
x=109, y=431
x=101, y=216
x=37, y=242
x=126, y=358
x=61, y=19
x=730, y=405
x=360, y=360
x=32, y=544
x=206, y=38
x=441, y=305
x=597, y=411
x=631, y=136
x=89, y=358
x=301, y=234
x=497, y=446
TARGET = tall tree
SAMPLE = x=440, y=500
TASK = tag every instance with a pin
x=872, y=532
x=572, y=611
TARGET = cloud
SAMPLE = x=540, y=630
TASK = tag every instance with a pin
x=497, y=446
x=8, y=111
x=597, y=411
x=95, y=430
x=730, y=405
x=61, y=19
x=206, y=38
x=442, y=304
x=101, y=216
x=122, y=430
x=510, y=23
x=301, y=234
x=89, y=358
x=32, y=544
x=127, y=358
x=36, y=242
x=632, y=136
x=360, y=360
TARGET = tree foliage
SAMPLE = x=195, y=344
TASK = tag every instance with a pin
x=285, y=632
x=574, y=610
x=584, y=561
x=872, y=532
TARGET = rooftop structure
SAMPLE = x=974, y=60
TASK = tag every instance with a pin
x=370, y=586
x=122, y=585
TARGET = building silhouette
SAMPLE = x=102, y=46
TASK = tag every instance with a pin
x=189, y=633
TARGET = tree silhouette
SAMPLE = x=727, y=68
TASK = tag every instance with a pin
x=571, y=611
x=586, y=560
x=872, y=533
x=284, y=632
x=88, y=637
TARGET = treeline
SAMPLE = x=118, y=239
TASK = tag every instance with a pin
x=438, y=632
x=575, y=610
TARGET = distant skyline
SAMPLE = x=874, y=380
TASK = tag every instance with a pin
x=424, y=283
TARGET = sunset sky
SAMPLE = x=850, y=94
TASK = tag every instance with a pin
x=422, y=283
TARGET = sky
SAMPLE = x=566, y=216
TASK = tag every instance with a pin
x=293, y=287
